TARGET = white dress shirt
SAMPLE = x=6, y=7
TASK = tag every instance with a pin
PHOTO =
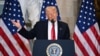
x=49, y=30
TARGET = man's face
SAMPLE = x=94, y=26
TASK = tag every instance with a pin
x=51, y=13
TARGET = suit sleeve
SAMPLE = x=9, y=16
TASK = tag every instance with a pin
x=28, y=34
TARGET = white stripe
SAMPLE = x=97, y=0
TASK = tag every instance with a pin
x=97, y=28
x=8, y=50
x=98, y=31
x=78, y=51
x=11, y=38
x=26, y=42
x=92, y=38
x=83, y=41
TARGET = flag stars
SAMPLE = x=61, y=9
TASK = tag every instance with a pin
x=91, y=3
x=86, y=7
x=13, y=30
x=79, y=21
x=84, y=22
x=6, y=8
x=23, y=21
x=18, y=10
x=90, y=8
x=94, y=15
x=82, y=6
x=90, y=13
x=83, y=27
x=89, y=18
x=43, y=1
x=9, y=24
x=88, y=24
x=14, y=9
x=6, y=2
x=85, y=12
x=18, y=15
x=42, y=17
x=80, y=16
x=5, y=13
x=93, y=20
x=87, y=2
x=14, y=4
x=94, y=10
x=9, y=14
x=42, y=12
x=84, y=17
x=48, y=2
x=55, y=4
x=81, y=11
x=83, y=0
x=9, y=8
x=10, y=3
x=14, y=14
x=43, y=6
x=52, y=3
x=5, y=18
x=9, y=19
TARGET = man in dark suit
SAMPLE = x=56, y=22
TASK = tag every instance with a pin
x=42, y=29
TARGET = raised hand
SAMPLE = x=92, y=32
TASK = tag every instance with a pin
x=17, y=24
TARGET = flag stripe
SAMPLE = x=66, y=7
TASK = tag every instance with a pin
x=11, y=38
x=83, y=41
x=16, y=41
x=90, y=43
x=78, y=50
x=80, y=45
x=22, y=45
x=9, y=43
x=92, y=36
x=3, y=51
x=5, y=46
x=97, y=28
x=97, y=36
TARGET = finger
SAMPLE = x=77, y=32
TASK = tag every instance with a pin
x=18, y=21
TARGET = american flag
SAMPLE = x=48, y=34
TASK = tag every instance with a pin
x=87, y=33
x=12, y=43
x=45, y=4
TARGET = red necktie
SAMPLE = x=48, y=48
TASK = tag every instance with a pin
x=53, y=32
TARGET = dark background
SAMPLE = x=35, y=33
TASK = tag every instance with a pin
x=97, y=6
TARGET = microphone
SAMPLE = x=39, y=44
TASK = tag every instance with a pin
x=52, y=21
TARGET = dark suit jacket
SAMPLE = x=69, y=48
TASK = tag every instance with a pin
x=40, y=31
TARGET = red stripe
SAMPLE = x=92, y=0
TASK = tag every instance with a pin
x=75, y=54
x=95, y=34
x=81, y=47
x=21, y=44
x=90, y=43
x=9, y=43
x=3, y=51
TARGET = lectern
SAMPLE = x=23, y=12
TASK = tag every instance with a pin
x=53, y=48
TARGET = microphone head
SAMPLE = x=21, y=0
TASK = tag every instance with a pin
x=52, y=21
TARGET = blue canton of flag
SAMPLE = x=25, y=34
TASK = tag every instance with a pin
x=12, y=11
x=45, y=4
x=87, y=15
